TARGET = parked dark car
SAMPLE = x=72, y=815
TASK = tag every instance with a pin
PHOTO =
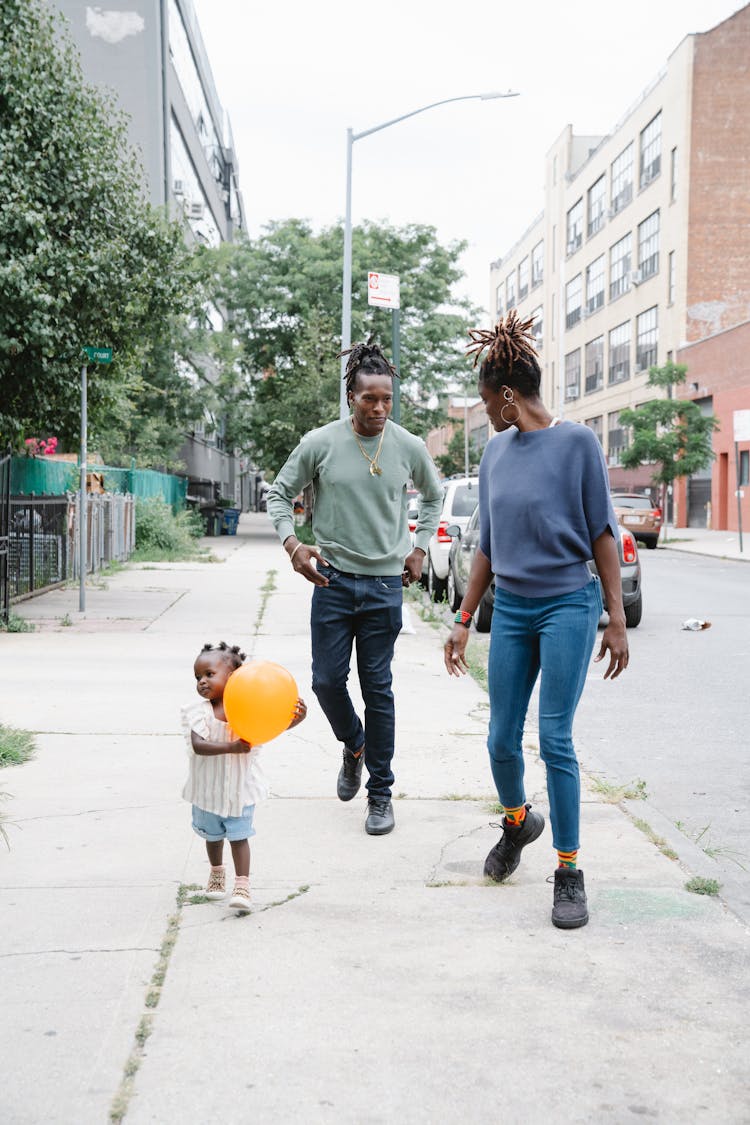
x=465, y=543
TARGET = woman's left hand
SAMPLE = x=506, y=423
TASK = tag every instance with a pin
x=614, y=641
x=300, y=712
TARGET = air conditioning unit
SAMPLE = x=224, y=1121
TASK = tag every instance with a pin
x=195, y=210
x=635, y=277
x=178, y=187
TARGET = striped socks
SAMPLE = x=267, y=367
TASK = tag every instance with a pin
x=515, y=817
x=567, y=859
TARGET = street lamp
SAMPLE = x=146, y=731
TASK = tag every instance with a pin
x=346, y=301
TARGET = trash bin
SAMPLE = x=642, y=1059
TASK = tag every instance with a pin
x=230, y=520
x=212, y=518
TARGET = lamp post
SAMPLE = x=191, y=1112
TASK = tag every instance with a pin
x=346, y=301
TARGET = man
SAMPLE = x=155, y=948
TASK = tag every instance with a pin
x=360, y=468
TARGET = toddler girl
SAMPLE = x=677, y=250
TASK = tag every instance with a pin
x=225, y=779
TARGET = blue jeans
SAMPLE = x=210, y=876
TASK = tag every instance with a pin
x=355, y=607
x=554, y=636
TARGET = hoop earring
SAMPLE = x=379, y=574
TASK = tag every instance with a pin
x=510, y=401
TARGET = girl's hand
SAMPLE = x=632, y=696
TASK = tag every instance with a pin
x=239, y=746
x=454, y=650
x=300, y=712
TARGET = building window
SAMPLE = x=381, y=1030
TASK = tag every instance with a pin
x=673, y=176
x=596, y=197
x=595, y=285
x=537, y=265
x=744, y=467
x=574, y=227
x=648, y=246
x=595, y=424
x=619, y=267
x=672, y=278
x=621, y=180
x=619, y=353
x=615, y=438
x=573, y=375
x=523, y=278
x=537, y=328
x=499, y=300
x=594, y=366
x=510, y=291
x=646, y=338
x=650, y=151
x=573, y=301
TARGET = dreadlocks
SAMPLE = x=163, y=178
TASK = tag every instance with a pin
x=511, y=359
x=367, y=358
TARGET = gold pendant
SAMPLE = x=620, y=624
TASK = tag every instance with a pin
x=375, y=470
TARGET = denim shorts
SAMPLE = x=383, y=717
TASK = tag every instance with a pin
x=212, y=827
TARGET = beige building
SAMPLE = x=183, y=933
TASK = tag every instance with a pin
x=644, y=242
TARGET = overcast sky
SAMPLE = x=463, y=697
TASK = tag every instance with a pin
x=294, y=74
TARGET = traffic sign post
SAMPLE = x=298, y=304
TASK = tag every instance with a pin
x=741, y=419
x=384, y=292
x=89, y=355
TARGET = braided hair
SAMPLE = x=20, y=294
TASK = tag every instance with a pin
x=511, y=358
x=230, y=654
x=367, y=358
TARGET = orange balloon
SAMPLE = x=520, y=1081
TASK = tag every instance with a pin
x=259, y=700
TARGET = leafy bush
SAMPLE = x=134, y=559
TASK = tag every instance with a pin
x=160, y=535
x=16, y=746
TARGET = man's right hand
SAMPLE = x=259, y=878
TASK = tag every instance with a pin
x=303, y=561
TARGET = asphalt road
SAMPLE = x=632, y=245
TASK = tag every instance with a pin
x=679, y=717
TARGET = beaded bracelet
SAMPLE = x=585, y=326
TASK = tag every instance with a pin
x=463, y=618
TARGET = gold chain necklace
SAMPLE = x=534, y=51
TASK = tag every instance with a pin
x=375, y=470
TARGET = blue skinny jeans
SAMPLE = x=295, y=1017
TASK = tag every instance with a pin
x=553, y=637
x=361, y=609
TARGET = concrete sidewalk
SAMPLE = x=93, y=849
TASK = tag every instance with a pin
x=377, y=980
x=702, y=541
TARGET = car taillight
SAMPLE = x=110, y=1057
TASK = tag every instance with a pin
x=412, y=525
x=629, y=552
x=442, y=534
x=657, y=513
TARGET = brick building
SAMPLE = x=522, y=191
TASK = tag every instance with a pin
x=642, y=254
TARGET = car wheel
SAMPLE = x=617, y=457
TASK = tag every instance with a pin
x=651, y=544
x=634, y=612
x=483, y=618
x=454, y=600
x=436, y=586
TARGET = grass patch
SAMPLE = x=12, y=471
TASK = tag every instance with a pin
x=16, y=746
x=163, y=536
x=657, y=841
x=266, y=591
x=612, y=794
x=16, y=624
x=699, y=885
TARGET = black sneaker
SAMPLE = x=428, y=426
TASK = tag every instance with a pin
x=380, y=818
x=506, y=854
x=350, y=775
x=569, y=910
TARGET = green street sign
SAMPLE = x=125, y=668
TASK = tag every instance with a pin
x=98, y=355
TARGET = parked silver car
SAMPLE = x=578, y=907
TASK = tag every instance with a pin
x=464, y=545
x=460, y=498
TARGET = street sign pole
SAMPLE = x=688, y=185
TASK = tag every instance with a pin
x=396, y=349
x=82, y=514
x=384, y=292
x=738, y=491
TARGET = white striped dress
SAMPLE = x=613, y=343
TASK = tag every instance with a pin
x=219, y=783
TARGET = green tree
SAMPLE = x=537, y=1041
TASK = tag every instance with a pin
x=83, y=258
x=453, y=461
x=284, y=293
x=670, y=433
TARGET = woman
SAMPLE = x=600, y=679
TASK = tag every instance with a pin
x=544, y=509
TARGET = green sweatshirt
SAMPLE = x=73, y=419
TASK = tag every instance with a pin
x=359, y=520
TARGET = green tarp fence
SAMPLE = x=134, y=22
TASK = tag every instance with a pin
x=36, y=476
